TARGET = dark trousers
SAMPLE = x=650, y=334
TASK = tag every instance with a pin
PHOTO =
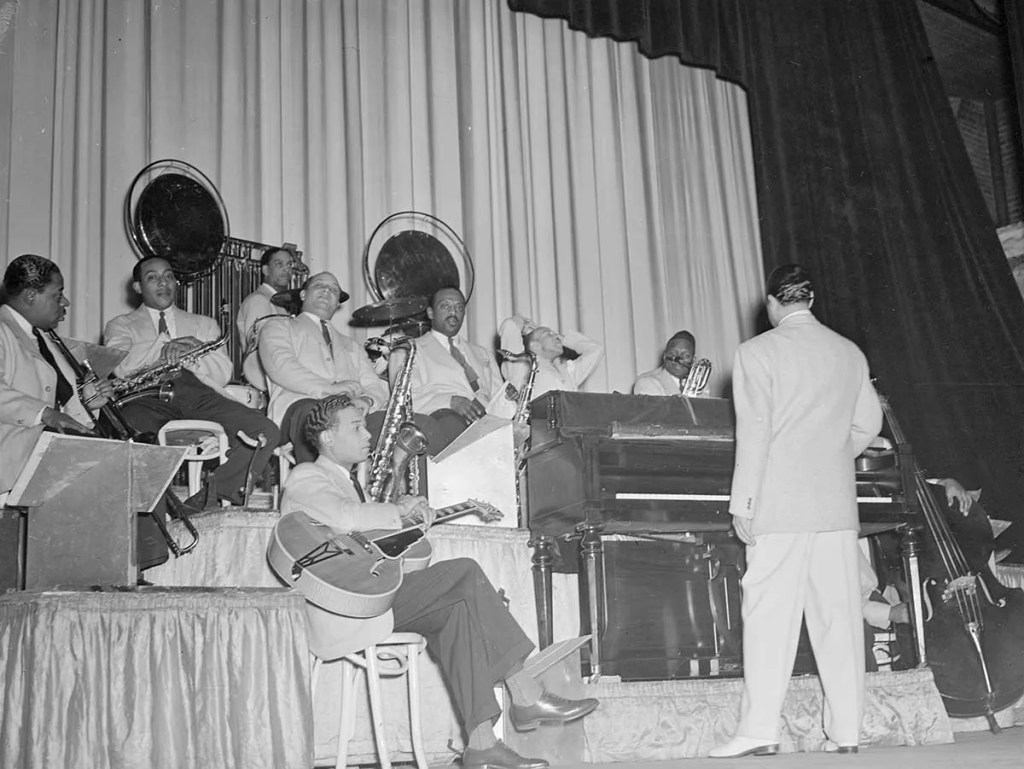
x=469, y=631
x=195, y=400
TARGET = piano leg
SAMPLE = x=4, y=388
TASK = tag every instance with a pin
x=592, y=574
x=542, y=560
x=910, y=547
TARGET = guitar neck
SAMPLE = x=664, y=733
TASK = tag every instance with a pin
x=452, y=512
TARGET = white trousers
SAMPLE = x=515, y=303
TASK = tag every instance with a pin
x=814, y=574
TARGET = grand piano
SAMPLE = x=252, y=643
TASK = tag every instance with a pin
x=632, y=492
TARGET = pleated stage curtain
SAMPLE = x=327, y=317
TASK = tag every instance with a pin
x=862, y=176
x=155, y=678
x=595, y=189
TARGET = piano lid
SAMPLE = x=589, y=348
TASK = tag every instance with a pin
x=628, y=417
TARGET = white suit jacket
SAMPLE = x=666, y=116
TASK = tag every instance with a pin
x=805, y=408
x=299, y=364
x=27, y=386
x=437, y=376
x=136, y=333
x=325, y=492
x=257, y=305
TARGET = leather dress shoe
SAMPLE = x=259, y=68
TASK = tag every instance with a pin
x=499, y=756
x=738, y=747
x=549, y=709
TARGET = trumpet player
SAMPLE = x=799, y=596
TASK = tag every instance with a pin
x=276, y=266
x=159, y=334
x=676, y=362
x=555, y=369
x=37, y=385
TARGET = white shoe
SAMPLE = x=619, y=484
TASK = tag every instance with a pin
x=744, y=746
x=833, y=747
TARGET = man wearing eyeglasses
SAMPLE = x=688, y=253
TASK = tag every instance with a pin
x=670, y=376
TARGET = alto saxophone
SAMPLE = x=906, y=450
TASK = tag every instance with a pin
x=697, y=379
x=155, y=380
x=399, y=440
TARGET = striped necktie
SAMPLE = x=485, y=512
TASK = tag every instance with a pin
x=327, y=336
x=471, y=375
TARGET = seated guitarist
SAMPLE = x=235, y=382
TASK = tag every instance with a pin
x=470, y=633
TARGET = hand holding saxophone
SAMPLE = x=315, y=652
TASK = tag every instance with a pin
x=96, y=393
x=176, y=348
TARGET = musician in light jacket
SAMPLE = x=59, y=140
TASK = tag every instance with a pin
x=159, y=333
x=469, y=631
x=306, y=357
x=32, y=397
x=805, y=408
x=554, y=370
x=276, y=267
x=676, y=361
x=454, y=381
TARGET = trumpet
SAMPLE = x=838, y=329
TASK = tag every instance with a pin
x=697, y=379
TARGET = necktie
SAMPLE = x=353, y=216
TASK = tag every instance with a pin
x=161, y=326
x=358, y=485
x=474, y=380
x=327, y=336
x=64, y=389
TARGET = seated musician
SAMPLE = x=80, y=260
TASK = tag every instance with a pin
x=37, y=385
x=670, y=376
x=306, y=357
x=276, y=266
x=555, y=370
x=159, y=334
x=469, y=631
x=454, y=381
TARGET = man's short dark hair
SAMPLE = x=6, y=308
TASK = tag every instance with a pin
x=433, y=296
x=269, y=254
x=790, y=283
x=324, y=415
x=28, y=271
x=682, y=336
x=137, y=269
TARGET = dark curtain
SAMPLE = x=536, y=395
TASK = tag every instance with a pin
x=862, y=177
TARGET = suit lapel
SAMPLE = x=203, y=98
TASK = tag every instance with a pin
x=27, y=342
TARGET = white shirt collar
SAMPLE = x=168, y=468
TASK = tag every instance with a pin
x=22, y=321
x=316, y=318
x=443, y=339
x=794, y=314
x=154, y=315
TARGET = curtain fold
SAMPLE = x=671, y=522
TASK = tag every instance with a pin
x=594, y=188
x=862, y=176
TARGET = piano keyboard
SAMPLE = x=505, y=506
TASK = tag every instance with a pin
x=627, y=495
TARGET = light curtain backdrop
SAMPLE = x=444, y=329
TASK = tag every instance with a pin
x=595, y=189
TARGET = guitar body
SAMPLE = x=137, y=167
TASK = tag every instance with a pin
x=352, y=581
x=356, y=574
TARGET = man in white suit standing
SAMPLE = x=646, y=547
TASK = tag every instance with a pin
x=805, y=408
x=158, y=332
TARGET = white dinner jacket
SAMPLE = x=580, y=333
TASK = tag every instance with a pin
x=136, y=333
x=27, y=386
x=805, y=408
x=300, y=365
x=437, y=376
x=325, y=492
x=255, y=306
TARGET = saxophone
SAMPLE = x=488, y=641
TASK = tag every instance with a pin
x=524, y=395
x=697, y=379
x=400, y=439
x=155, y=380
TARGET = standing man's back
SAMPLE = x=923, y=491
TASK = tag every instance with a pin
x=805, y=408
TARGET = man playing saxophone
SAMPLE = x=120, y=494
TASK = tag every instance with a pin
x=556, y=370
x=159, y=334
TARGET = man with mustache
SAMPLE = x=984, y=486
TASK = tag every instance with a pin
x=37, y=386
x=159, y=333
x=453, y=380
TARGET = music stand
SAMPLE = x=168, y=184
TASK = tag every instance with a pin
x=83, y=495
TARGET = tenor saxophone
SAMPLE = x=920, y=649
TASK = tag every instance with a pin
x=156, y=379
x=399, y=440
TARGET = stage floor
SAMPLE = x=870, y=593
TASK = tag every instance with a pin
x=1003, y=751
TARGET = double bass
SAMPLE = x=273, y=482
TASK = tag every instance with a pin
x=973, y=625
